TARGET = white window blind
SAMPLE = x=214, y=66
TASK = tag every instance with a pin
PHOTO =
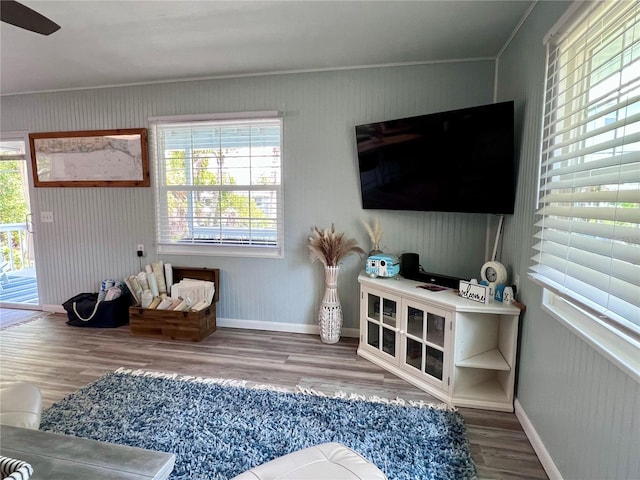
x=588, y=241
x=219, y=184
x=12, y=149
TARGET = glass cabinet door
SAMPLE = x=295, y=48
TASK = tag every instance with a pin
x=434, y=345
x=415, y=331
x=381, y=317
x=425, y=342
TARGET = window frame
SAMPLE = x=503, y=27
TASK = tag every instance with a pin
x=203, y=248
x=617, y=339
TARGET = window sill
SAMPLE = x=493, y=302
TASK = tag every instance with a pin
x=622, y=350
x=221, y=251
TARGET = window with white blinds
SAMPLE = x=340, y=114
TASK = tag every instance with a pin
x=588, y=241
x=219, y=184
x=12, y=149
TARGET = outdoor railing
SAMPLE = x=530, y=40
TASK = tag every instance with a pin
x=14, y=247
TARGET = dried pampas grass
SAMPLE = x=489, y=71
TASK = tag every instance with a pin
x=328, y=247
x=375, y=232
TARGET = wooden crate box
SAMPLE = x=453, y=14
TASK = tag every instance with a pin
x=191, y=326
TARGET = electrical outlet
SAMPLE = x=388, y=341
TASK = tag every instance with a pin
x=141, y=247
x=140, y=251
x=516, y=282
x=46, y=217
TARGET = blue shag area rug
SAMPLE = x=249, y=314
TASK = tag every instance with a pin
x=220, y=428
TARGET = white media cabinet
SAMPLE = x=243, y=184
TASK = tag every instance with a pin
x=460, y=351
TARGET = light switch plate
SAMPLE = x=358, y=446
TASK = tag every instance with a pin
x=46, y=217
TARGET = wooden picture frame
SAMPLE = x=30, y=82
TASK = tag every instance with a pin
x=90, y=158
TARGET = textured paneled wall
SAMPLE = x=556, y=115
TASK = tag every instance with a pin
x=583, y=407
x=96, y=231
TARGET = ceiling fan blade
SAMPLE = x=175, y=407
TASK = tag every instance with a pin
x=17, y=14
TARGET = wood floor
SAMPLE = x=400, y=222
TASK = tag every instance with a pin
x=60, y=359
x=9, y=317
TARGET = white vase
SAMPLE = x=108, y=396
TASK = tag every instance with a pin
x=330, y=316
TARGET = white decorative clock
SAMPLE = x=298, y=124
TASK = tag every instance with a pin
x=494, y=272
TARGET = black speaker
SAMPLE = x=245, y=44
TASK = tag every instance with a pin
x=409, y=265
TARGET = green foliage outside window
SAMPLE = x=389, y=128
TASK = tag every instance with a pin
x=208, y=208
x=13, y=209
x=12, y=205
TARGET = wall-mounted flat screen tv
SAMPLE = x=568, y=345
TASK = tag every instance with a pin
x=454, y=161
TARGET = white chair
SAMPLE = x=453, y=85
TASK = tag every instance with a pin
x=4, y=268
x=3, y=274
x=326, y=461
x=20, y=405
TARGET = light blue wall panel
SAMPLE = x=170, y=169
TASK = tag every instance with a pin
x=96, y=230
x=583, y=407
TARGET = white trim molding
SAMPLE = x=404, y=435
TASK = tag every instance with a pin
x=536, y=442
x=53, y=308
x=620, y=349
x=251, y=324
x=280, y=327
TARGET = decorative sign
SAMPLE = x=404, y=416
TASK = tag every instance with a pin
x=473, y=291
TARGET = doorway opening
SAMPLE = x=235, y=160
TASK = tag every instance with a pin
x=18, y=278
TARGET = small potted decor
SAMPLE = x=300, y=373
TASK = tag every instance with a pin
x=329, y=248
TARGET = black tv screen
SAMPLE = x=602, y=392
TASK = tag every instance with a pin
x=454, y=161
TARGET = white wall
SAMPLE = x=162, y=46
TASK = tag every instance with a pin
x=96, y=230
x=584, y=409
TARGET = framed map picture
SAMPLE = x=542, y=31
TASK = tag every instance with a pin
x=92, y=158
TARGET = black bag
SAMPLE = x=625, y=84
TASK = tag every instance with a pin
x=83, y=311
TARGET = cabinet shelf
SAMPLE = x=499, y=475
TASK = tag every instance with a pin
x=435, y=346
x=491, y=360
x=389, y=320
x=489, y=391
x=428, y=343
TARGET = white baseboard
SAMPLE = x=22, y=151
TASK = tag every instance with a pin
x=53, y=309
x=251, y=324
x=280, y=327
x=536, y=442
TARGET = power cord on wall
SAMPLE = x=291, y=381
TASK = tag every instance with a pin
x=498, y=235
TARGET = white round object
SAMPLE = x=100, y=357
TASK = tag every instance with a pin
x=494, y=272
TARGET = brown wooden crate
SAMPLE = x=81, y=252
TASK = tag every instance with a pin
x=191, y=326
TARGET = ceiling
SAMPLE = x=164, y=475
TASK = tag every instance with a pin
x=104, y=43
